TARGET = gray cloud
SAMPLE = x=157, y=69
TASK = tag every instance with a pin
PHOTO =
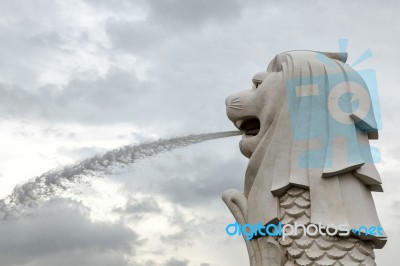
x=193, y=54
x=205, y=63
x=188, y=186
x=177, y=262
x=147, y=263
x=188, y=230
x=145, y=205
x=62, y=232
x=175, y=15
x=115, y=6
x=190, y=177
x=49, y=39
x=137, y=208
x=81, y=99
x=117, y=97
x=180, y=14
x=135, y=37
x=179, y=239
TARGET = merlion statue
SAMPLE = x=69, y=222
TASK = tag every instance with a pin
x=306, y=123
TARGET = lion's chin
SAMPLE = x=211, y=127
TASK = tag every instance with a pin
x=248, y=144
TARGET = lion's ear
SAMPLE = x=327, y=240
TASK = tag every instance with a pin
x=276, y=64
x=337, y=56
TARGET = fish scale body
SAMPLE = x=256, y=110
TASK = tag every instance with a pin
x=318, y=250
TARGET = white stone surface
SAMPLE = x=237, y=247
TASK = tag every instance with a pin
x=293, y=137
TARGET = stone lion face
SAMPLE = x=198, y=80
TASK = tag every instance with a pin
x=252, y=111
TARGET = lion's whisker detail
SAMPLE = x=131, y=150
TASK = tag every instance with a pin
x=237, y=108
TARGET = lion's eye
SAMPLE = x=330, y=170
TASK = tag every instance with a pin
x=256, y=83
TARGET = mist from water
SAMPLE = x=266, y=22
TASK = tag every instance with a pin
x=51, y=182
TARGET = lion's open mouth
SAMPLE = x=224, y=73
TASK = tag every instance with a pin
x=250, y=126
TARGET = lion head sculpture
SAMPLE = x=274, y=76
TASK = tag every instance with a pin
x=306, y=122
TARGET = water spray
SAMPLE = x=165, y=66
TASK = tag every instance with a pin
x=47, y=184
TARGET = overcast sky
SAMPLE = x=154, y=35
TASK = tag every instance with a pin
x=78, y=78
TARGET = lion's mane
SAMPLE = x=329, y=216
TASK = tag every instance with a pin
x=336, y=167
